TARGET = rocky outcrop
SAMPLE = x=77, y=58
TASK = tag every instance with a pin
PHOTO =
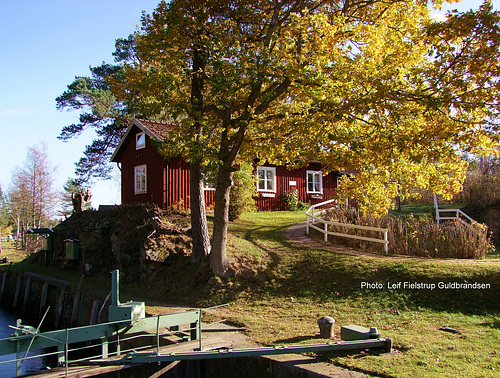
x=136, y=239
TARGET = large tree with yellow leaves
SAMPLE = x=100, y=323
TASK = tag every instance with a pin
x=375, y=86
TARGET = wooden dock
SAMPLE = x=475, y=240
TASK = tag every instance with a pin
x=210, y=341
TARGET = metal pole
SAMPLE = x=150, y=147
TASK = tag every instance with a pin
x=66, y=351
x=199, y=329
x=105, y=347
x=158, y=334
x=118, y=350
x=115, y=288
x=18, y=353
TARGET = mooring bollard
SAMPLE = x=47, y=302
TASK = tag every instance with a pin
x=326, y=324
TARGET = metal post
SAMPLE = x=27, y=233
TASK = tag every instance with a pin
x=118, y=350
x=199, y=329
x=115, y=288
x=158, y=334
x=66, y=351
x=326, y=232
x=105, y=347
x=18, y=353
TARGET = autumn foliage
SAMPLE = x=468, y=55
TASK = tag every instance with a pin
x=375, y=86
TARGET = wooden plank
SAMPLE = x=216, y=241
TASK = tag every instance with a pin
x=43, y=297
x=94, y=312
x=348, y=235
x=4, y=282
x=18, y=289
x=50, y=280
x=164, y=370
x=26, y=293
x=76, y=301
x=60, y=302
x=348, y=225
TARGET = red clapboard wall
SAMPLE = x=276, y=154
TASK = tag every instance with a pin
x=167, y=181
x=289, y=179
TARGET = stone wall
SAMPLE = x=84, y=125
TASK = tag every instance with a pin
x=136, y=239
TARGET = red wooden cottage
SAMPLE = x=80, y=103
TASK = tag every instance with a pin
x=147, y=177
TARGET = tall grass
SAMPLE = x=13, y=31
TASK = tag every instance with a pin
x=415, y=237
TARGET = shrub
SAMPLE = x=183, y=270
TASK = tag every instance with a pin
x=453, y=239
x=415, y=237
x=242, y=192
x=481, y=189
x=291, y=199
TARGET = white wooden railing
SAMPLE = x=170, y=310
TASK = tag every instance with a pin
x=458, y=214
x=313, y=217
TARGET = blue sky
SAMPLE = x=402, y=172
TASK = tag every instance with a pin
x=44, y=44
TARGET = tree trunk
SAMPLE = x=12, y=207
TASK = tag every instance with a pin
x=218, y=259
x=199, y=229
x=201, y=240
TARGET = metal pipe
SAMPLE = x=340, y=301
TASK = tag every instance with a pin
x=148, y=357
x=115, y=288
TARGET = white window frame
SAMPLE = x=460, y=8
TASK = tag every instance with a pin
x=140, y=186
x=207, y=185
x=315, y=174
x=273, y=183
x=137, y=137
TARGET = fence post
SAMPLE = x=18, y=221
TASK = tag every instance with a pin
x=326, y=232
x=436, y=206
x=386, y=246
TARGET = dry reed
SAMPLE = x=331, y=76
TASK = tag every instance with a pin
x=414, y=237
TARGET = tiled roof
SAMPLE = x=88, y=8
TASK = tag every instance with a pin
x=155, y=130
x=160, y=129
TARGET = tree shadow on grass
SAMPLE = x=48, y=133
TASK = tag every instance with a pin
x=495, y=324
x=326, y=275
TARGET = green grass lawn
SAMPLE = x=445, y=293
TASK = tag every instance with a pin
x=9, y=251
x=282, y=289
x=292, y=287
x=422, y=210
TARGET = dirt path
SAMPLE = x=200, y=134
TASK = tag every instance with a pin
x=297, y=234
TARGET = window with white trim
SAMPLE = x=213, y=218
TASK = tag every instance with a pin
x=208, y=184
x=140, y=179
x=266, y=179
x=140, y=141
x=314, y=182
